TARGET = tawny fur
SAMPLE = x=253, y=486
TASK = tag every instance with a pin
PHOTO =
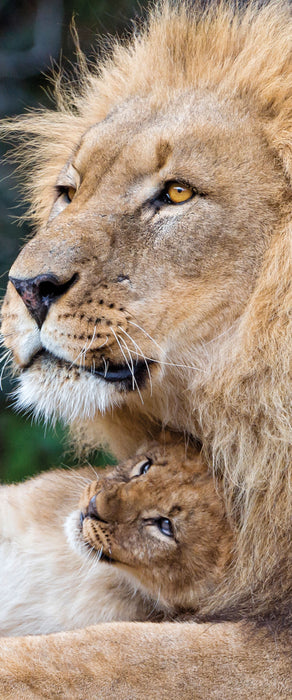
x=62, y=583
x=46, y=586
x=203, y=97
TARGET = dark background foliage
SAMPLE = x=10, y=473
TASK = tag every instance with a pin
x=35, y=34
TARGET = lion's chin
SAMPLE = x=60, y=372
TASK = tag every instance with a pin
x=65, y=395
x=53, y=389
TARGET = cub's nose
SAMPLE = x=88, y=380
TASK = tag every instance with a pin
x=92, y=510
x=89, y=512
x=38, y=293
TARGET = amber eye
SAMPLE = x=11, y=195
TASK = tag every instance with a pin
x=71, y=193
x=67, y=192
x=177, y=192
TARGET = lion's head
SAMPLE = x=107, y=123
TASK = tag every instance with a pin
x=158, y=519
x=157, y=289
x=153, y=229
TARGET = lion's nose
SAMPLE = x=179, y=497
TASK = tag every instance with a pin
x=38, y=293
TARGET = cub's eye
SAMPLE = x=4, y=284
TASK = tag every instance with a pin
x=145, y=466
x=141, y=468
x=177, y=192
x=67, y=192
x=165, y=526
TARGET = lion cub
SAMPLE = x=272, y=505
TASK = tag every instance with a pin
x=150, y=538
x=159, y=521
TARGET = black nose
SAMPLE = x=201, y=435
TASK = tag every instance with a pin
x=38, y=293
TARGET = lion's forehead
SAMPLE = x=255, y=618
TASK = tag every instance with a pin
x=194, y=125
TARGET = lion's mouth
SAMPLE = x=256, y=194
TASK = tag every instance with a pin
x=130, y=376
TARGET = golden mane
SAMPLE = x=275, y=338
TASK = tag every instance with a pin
x=245, y=53
x=241, y=408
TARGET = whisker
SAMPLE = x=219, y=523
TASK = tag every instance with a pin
x=163, y=362
x=84, y=479
x=127, y=363
x=6, y=354
x=132, y=341
x=12, y=334
x=130, y=357
x=175, y=364
x=147, y=334
x=106, y=366
x=223, y=333
x=137, y=355
x=97, y=476
x=84, y=350
x=7, y=359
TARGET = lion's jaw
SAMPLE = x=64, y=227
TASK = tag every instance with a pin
x=151, y=280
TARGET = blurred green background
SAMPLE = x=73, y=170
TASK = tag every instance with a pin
x=33, y=34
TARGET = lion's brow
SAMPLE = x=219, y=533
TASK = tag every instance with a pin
x=163, y=151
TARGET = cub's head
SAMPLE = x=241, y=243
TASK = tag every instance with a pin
x=159, y=520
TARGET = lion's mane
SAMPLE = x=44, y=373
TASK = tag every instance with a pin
x=241, y=408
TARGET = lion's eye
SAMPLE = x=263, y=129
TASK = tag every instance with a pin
x=67, y=192
x=177, y=192
x=165, y=526
x=71, y=193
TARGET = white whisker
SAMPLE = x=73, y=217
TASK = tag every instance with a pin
x=147, y=334
x=141, y=355
x=6, y=354
x=6, y=359
x=97, y=476
x=106, y=366
x=8, y=335
x=84, y=350
x=163, y=362
x=128, y=365
x=130, y=358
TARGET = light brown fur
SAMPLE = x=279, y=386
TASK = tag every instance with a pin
x=180, y=570
x=64, y=579
x=203, y=288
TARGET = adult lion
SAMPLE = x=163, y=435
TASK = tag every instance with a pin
x=157, y=290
